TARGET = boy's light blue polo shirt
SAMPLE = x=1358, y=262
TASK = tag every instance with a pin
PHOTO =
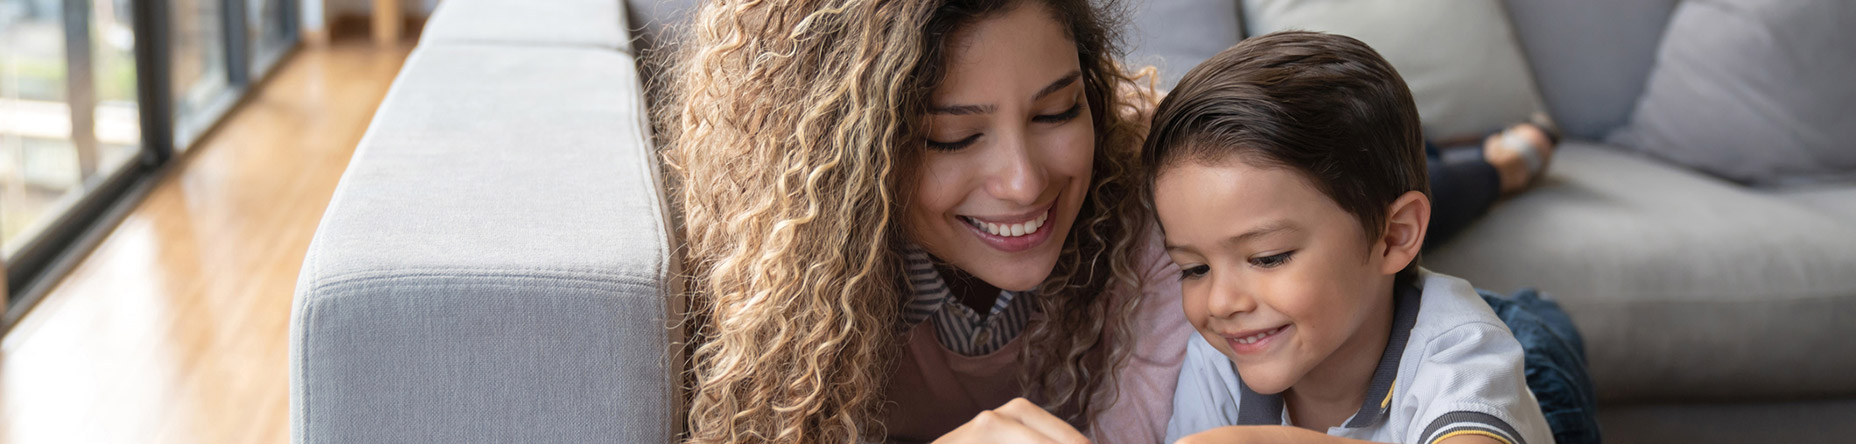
x=1450, y=367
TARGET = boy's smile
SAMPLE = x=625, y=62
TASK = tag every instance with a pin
x=1277, y=276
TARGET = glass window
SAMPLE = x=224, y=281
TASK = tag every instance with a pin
x=62, y=135
x=269, y=35
x=201, y=85
x=118, y=117
x=38, y=161
x=71, y=105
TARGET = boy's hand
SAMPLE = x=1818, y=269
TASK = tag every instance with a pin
x=1018, y=421
x=1225, y=435
x=1262, y=434
x=1286, y=434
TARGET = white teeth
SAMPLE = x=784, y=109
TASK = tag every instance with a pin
x=1252, y=339
x=1011, y=230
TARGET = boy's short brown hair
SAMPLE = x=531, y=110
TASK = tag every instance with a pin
x=1324, y=105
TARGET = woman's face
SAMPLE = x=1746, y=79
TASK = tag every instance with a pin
x=1009, y=149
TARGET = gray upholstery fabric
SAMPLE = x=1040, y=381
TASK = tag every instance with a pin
x=596, y=23
x=1753, y=90
x=1590, y=57
x=1800, y=422
x=1685, y=287
x=1833, y=200
x=1175, y=35
x=495, y=263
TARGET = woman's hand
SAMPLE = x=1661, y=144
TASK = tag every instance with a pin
x=1019, y=421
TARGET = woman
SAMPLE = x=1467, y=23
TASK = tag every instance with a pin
x=903, y=214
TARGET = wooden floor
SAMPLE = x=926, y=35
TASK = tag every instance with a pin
x=174, y=330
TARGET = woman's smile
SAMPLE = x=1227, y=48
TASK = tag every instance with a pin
x=1010, y=234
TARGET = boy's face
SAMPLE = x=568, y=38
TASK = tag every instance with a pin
x=1276, y=275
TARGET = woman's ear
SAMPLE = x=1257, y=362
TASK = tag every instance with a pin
x=1406, y=220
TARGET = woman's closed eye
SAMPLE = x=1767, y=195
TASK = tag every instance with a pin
x=1065, y=116
x=955, y=145
x=1272, y=261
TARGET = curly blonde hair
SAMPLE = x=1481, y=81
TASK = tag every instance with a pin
x=789, y=126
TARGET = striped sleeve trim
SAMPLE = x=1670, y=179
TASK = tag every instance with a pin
x=1470, y=423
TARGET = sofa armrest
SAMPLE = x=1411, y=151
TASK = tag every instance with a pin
x=495, y=264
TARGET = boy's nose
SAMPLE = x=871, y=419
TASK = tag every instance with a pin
x=1229, y=298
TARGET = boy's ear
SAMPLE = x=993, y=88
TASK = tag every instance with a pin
x=1406, y=221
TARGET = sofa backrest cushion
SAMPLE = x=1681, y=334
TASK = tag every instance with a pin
x=1175, y=35
x=591, y=23
x=1590, y=57
x=1756, y=91
x=1460, y=58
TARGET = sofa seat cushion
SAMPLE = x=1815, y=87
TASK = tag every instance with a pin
x=1834, y=200
x=1685, y=286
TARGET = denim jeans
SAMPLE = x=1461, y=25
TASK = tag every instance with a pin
x=1554, y=361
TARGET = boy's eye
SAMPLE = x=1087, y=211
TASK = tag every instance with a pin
x=1193, y=272
x=1271, y=261
x=1061, y=117
x=953, y=146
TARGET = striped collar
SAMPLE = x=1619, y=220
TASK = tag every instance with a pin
x=956, y=325
x=1260, y=409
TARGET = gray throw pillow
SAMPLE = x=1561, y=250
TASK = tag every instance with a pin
x=1590, y=57
x=1459, y=57
x=1175, y=35
x=1761, y=92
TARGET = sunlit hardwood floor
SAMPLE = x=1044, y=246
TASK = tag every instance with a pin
x=174, y=330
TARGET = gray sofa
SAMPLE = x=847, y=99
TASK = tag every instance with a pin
x=496, y=262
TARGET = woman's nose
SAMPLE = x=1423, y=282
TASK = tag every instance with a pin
x=1020, y=176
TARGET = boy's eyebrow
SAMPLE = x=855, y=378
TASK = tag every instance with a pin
x=1267, y=229
x=962, y=110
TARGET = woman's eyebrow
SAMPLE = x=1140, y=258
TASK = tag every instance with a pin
x=1059, y=84
x=963, y=110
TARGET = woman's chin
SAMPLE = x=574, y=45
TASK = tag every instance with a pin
x=1022, y=271
x=1023, y=275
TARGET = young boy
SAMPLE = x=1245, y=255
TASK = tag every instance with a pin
x=1288, y=174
